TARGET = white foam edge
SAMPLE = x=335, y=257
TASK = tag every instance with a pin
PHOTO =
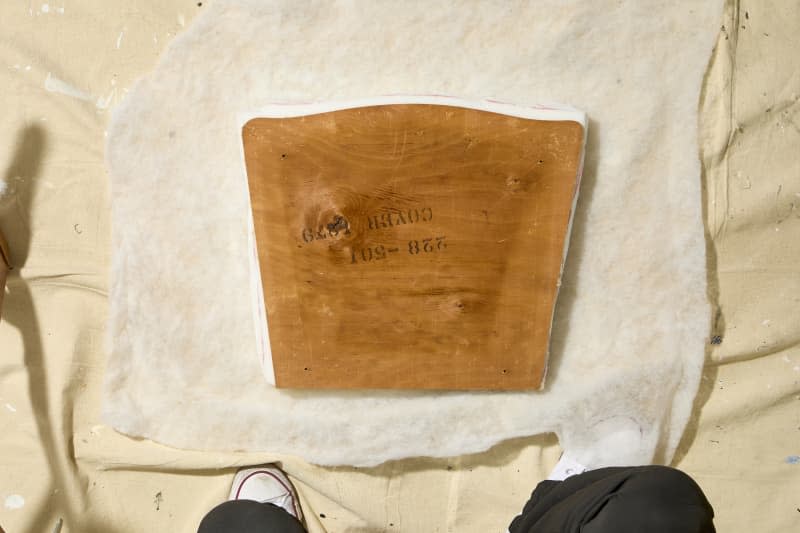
x=296, y=108
x=564, y=252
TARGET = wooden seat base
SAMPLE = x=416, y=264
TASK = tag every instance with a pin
x=414, y=246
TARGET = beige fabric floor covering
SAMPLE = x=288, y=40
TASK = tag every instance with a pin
x=64, y=64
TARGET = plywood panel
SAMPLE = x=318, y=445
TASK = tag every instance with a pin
x=411, y=245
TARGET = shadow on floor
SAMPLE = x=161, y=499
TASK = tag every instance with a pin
x=66, y=490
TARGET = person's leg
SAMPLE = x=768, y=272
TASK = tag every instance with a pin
x=248, y=516
x=647, y=498
x=262, y=500
x=655, y=499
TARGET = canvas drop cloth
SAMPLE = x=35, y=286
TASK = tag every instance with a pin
x=57, y=460
x=632, y=318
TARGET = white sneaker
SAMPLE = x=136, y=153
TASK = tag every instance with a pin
x=566, y=467
x=266, y=484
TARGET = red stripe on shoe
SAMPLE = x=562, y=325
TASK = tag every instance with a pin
x=276, y=478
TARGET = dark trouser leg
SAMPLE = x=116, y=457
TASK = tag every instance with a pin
x=655, y=499
x=247, y=516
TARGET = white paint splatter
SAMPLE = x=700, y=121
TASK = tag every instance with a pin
x=95, y=429
x=60, y=10
x=102, y=103
x=8, y=188
x=119, y=39
x=766, y=322
x=27, y=67
x=796, y=368
x=181, y=20
x=15, y=501
x=8, y=405
x=155, y=41
x=45, y=8
x=55, y=85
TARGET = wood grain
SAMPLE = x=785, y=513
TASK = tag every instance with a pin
x=411, y=246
